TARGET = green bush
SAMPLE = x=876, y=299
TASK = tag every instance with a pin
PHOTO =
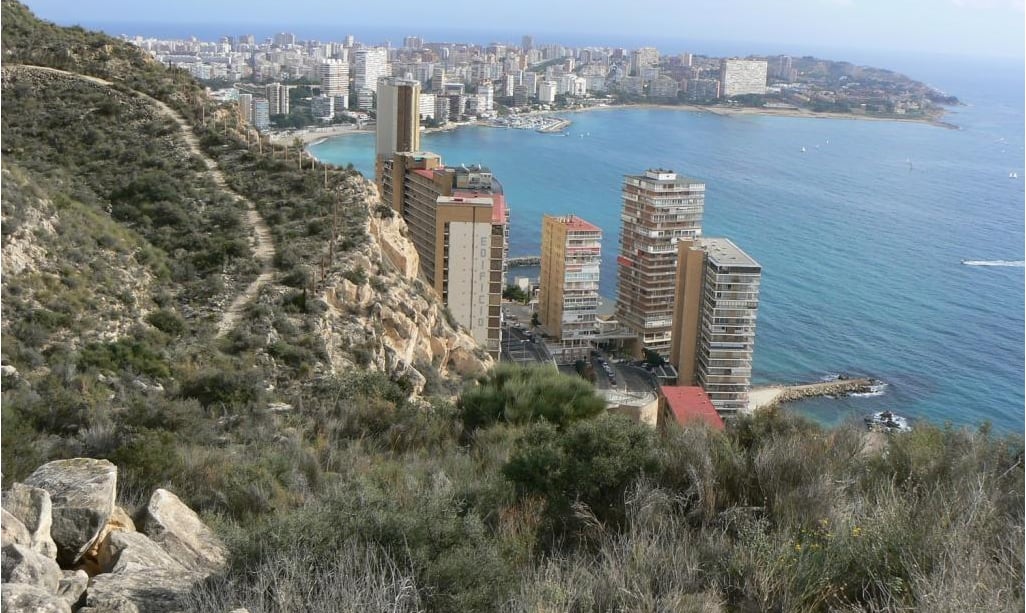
x=523, y=395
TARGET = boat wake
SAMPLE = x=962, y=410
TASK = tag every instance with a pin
x=1017, y=263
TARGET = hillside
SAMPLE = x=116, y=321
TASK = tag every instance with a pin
x=227, y=321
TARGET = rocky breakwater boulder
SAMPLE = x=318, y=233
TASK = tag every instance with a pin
x=105, y=564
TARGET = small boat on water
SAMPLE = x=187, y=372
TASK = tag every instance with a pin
x=803, y=149
x=1013, y=175
x=887, y=421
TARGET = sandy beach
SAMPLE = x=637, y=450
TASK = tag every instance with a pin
x=312, y=135
x=760, y=397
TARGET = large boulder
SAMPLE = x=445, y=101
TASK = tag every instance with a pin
x=146, y=590
x=82, y=493
x=91, y=561
x=21, y=564
x=73, y=584
x=181, y=533
x=33, y=507
x=123, y=552
x=12, y=531
x=139, y=576
x=22, y=598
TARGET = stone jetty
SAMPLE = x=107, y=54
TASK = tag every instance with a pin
x=780, y=394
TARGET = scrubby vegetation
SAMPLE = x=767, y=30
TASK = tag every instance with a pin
x=344, y=493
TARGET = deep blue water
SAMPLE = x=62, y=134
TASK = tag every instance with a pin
x=861, y=238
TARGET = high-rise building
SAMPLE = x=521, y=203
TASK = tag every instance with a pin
x=322, y=107
x=547, y=92
x=369, y=65
x=527, y=43
x=458, y=222
x=568, y=295
x=261, y=114
x=644, y=57
x=660, y=208
x=334, y=74
x=246, y=107
x=520, y=95
x=277, y=98
x=487, y=92
x=714, y=313
x=739, y=77
x=398, y=118
x=438, y=80
x=413, y=42
x=441, y=109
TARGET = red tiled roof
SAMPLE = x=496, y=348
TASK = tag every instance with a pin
x=428, y=174
x=689, y=403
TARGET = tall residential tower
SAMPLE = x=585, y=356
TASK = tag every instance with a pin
x=459, y=224
x=569, y=287
x=398, y=120
x=660, y=208
x=714, y=320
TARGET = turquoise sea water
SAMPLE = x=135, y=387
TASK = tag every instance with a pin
x=861, y=237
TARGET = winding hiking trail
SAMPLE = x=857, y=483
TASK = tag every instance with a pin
x=263, y=250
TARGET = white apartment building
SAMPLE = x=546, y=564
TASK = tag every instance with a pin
x=334, y=74
x=739, y=77
x=547, y=92
x=369, y=65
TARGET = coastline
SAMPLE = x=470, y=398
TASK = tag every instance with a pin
x=770, y=112
x=312, y=136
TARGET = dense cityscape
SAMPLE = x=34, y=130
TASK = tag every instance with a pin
x=246, y=371
x=286, y=82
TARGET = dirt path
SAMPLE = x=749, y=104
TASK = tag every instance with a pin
x=262, y=245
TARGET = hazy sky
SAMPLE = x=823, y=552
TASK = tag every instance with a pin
x=972, y=27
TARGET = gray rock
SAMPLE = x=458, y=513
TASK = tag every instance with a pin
x=23, y=565
x=12, y=531
x=73, y=584
x=147, y=590
x=21, y=598
x=181, y=533
x=123, y=552
x=82, y=493
x=33, y=507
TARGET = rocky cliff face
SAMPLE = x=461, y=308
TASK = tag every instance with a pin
x=382, y=316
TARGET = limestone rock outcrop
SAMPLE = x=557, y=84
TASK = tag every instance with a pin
x=23, y=598
x=108, y=566
x=32, y=506
x=21, y=564
x=82, y=493
x=394, y=322
x=180, y=532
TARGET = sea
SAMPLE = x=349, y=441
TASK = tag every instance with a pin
x=889, y=249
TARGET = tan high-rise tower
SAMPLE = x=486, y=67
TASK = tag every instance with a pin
x=459, y=224
x=660, y=208
x=568, y=296
x=398, y=120
x=714, y=320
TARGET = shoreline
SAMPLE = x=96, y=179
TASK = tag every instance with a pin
x=759, y=111
x=315, y=136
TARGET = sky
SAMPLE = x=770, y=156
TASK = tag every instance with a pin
x=983, y=28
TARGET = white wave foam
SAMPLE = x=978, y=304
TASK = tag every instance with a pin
x=1019, y=263
x=874, y=390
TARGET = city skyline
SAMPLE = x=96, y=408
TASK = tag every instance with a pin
x=971, y=27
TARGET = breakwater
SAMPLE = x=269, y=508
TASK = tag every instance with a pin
x=781, y=394
x=527, y=260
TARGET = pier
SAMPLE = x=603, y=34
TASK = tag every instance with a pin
x=781, y=394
